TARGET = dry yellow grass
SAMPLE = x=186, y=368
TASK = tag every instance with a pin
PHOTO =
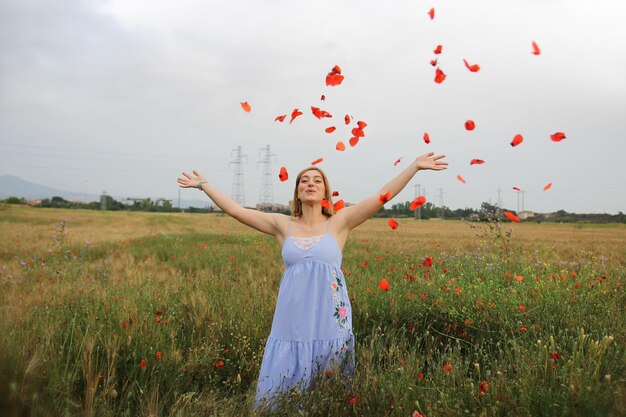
x=26, y=229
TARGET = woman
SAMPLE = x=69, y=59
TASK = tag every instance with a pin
x=312, y=326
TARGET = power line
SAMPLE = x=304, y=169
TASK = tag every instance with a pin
x=90, y=151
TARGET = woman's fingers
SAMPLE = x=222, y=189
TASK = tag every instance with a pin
x=187, y=175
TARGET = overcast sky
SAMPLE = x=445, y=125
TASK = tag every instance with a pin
x=123, y=95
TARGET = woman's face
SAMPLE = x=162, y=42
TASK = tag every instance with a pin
x=311, y=187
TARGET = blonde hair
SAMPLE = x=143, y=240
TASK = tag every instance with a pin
x=296, y=204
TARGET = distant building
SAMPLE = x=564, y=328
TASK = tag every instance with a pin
x=272, y=208
x=523, y=215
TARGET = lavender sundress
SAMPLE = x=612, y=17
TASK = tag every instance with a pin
x=312, y=326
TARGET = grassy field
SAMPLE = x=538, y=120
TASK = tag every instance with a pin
x=145, y=314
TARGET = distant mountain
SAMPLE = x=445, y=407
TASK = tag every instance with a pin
x=12, y=186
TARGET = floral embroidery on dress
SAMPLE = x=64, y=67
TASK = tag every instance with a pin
x=341, y=311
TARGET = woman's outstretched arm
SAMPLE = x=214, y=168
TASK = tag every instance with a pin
x=353, y=216
x=263, y=222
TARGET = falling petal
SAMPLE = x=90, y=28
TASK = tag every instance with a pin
x=548, y=186
x=476, y=162
x=431, y=13
x=398, y=161
x=353, y=141
x=347, y=118
x=325, y=203
x=517, y=140
x=323, y=97
x=439, y=76
x=511, y=216
x=283, y=174
x=557, y=137
x=317, y=161
x=473, y=68
x=330, y=129
x=438, y=49
x=516, y=189
x=470, y=125
x=426, y=138
x=340, y=146
x=295, y=113
x=418, y=201
x=536, y=50
x=246, y=107
x=383, y=198
x=335, y=193
x=338, y=205
x=433, y=62
x=393, y=224
x=280, y=118
x=460, y=178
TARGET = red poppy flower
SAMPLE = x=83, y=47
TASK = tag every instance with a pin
x=218, y=364
x=158, y=356
x=428, y=261
x=383, y=284
x=447, y=367
x=143, y=364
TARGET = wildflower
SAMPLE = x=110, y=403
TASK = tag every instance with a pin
x=354, y=400
x=523, y=329
x=483, y=387
x=158, y=356
x=384, y=284
x=363, y=263
x=219, y=364
x=328, y=372
x=428, y=261
x=420, y=376
x=522, y=308
x=518, y=277
x=554, y=356
x=447, y=367
x=158, y=312
x=143, y=364
x=124, y=324
x=417, y=414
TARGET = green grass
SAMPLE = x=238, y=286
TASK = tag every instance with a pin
x=81, y=317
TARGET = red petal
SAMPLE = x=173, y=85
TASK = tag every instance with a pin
x=439, y=76
x=536, y=50
x=438, y=49
x=361, y=124
x=511, y=216
x=393, y=224
x=323, y=97
x=317, y=161
x=316, y=112
x=358, y=132
x=473, y=68
x=383, y=198
x=338, y=205
x=517, y=140
x=246, y=106
x=340, y=146
x=557, y=137
x=417, y=202
x=295, y=113
x=347, y=119
x=280, y=118
x=426, y=138
x=334, y=79
x=353, y=141
x=325, y=203
x=516, y=189
x=470, y=125
x=330, y=129
x=548, y=186
x=397, y=161
x=433, y=62
x=476, y=162
x=460, y=178
x=283, y=174
x=335, y=193
x=431, y=13
x=335, y=70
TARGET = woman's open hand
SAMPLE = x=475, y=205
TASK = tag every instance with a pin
x=191, y=181
x=428, y=161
